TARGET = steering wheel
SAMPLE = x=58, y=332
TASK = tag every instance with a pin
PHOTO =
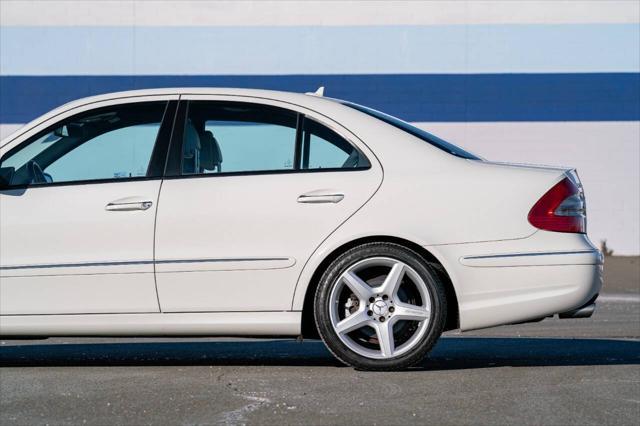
x=36, y=175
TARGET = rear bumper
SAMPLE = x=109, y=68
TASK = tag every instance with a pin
x=516, y=281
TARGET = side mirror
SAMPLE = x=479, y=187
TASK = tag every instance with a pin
x=6, y=174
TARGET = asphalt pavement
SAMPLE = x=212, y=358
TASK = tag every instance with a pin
x=555, y=372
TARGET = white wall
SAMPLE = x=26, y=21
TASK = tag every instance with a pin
x=132, y=40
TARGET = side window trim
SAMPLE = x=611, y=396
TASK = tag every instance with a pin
x=173, y=169
x=158, y=160
x=306, y=144
x=158, y=153
x=173, y=165
x=298, y=146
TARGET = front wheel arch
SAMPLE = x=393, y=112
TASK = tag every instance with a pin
x=308, y=325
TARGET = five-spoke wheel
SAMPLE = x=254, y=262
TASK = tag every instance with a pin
x=379, y=306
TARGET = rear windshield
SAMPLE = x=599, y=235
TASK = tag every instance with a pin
x=415, y=131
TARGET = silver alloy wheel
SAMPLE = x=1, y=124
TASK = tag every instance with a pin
x=379, y=307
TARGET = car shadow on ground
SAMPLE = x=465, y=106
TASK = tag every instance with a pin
x=450, y=353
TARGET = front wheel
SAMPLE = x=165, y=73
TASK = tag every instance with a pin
x=380, y=306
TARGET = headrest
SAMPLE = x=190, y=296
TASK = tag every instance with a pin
x=210, y=154
x=191, y=139
x=191, y=150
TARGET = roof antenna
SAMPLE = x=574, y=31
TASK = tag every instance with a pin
x=319, y=92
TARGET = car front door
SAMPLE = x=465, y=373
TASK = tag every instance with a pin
x=77, y=211
x=255, y=189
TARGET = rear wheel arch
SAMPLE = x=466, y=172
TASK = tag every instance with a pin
x=308, y=325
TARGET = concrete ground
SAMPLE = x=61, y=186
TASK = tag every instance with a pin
x=556, y=372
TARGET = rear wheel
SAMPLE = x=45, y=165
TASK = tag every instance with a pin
x=380, y=306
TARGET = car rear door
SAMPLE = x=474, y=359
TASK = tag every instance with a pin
x=77, y=219
x=251, y=193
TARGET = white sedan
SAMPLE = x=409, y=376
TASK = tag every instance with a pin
x=247, y=212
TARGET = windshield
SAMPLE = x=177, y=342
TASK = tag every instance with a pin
x=415, y=131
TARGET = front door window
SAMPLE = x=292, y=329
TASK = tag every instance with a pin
x=104, y=144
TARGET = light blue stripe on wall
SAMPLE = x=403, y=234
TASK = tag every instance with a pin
x=319, y=50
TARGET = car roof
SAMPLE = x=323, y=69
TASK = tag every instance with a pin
x=311, y=101
x=307, y=100
x=258, y=93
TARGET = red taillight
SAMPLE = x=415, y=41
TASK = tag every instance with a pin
x=561, y=209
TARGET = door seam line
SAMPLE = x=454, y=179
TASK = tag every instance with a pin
x=155, y=225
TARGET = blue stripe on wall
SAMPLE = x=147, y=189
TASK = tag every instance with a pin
x=413, y=97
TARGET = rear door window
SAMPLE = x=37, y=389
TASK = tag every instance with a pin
x=237, y=137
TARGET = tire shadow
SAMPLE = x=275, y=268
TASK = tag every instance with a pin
x=454, y=353
x=451, y=353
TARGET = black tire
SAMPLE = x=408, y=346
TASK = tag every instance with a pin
x=330, y=278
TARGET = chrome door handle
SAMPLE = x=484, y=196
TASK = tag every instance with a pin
x=127, y=207
x=320, y=198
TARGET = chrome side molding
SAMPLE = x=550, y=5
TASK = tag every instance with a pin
x=143, y=262
x=547, y=258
